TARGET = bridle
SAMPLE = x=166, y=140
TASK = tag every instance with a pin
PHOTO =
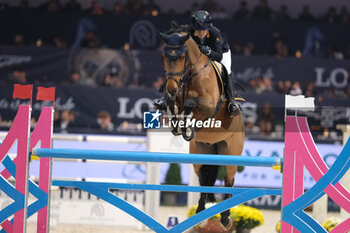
x=173, y=53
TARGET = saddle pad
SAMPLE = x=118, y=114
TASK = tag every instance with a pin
x=218, y=70
x=219, y=66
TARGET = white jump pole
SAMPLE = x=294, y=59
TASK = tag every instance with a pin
x=152, y=198
x=192, y=198
x=160, y=141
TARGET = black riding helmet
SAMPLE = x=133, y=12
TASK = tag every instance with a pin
x=201, y=20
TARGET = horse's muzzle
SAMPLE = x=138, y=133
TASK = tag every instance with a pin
x=172, y=92
x=170, y=98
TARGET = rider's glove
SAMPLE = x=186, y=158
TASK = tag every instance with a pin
x=205, y=49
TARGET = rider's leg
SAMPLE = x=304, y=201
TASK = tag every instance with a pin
x=230, y=88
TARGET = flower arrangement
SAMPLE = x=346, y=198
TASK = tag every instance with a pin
x=245, y=217
x=330, y=223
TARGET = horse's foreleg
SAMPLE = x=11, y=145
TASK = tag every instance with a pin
x=229, y=181
x=207, y=177
x=191, y=103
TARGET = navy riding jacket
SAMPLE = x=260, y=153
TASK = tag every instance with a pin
x=214, y=41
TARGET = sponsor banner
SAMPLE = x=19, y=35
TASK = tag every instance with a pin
x=130, y=105
x=324, y=73
x=267, y=177
x=74, y=206
x=45, y=65
x=274, y=202
x=41, y=64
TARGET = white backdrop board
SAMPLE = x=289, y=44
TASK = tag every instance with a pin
x=160, y=141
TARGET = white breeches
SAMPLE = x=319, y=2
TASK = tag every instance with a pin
x=226, y=61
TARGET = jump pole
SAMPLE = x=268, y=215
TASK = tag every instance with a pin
x=159, y=157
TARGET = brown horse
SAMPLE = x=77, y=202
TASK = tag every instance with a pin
x=192, y=89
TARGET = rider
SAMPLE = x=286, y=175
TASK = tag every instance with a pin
x=211, y=43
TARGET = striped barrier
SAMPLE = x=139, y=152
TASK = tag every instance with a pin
x=300, y=152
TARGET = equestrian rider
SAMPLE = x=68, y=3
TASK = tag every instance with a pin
x=212, y=44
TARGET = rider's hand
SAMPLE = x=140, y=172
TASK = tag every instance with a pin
x=205, y=49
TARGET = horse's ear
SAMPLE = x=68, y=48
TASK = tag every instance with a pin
x=163, y=36
x=183, y=39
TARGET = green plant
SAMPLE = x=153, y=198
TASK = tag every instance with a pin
x=245, y=217
x=173, y=175
x=222, y=172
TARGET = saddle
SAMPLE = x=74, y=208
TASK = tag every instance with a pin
x=221, y=73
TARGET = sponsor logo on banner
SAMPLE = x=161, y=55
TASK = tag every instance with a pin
x=10, y=60
x=143, y=34
x=338, y=78
x=127, y=112
x=252, y=72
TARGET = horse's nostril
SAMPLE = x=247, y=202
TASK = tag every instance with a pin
x=172, y=92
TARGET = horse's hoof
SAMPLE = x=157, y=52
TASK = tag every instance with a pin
x=226, y=224
x=188, y=133
x=203, y=224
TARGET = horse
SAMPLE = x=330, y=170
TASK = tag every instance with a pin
x=193, y=90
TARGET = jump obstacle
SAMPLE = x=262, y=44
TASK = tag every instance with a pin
x=300, y=152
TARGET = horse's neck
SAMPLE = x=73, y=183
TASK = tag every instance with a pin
x=194, y=53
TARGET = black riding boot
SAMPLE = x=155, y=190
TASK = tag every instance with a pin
x=160, y=104
x=232, y=106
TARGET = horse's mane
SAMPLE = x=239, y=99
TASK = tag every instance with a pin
x=176, y=28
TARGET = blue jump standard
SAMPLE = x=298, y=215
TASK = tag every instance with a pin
x=209, y=159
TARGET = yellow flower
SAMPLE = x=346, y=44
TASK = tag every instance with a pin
x=278, y=227
x=192, y=211
x=244, y=216
x=330, y=223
